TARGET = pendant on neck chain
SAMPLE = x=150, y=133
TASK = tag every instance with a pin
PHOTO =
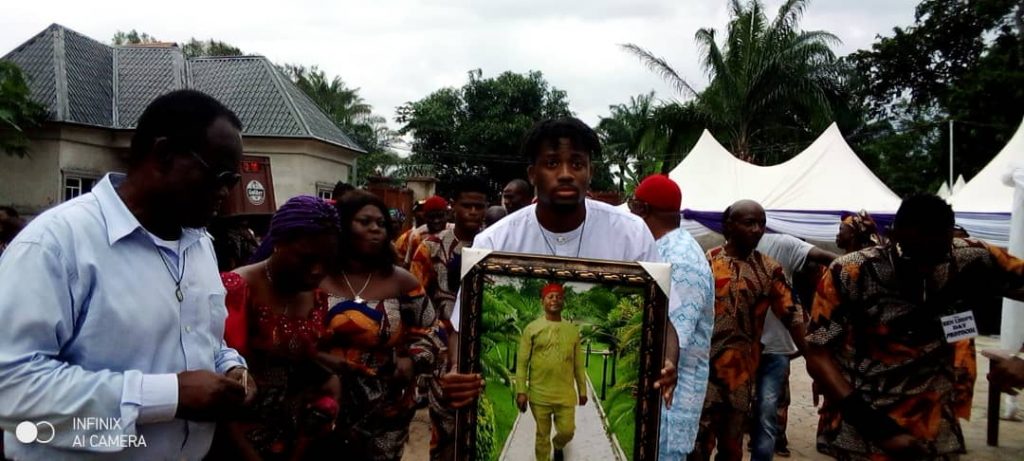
x=179, y=294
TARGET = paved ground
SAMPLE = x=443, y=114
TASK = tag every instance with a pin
x=803, y=421
x=418, y=448
x=588, y=444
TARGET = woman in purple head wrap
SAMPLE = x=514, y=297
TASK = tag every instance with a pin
x=276, y=320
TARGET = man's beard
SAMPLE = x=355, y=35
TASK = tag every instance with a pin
x=565, y=208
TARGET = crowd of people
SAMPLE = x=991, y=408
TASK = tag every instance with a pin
x=326, y=341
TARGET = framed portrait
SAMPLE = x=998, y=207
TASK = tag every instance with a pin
x=573, y=346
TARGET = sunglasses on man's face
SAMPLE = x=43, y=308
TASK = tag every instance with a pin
x=226, y=178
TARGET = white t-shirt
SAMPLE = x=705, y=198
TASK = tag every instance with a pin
x=607, y=233
x=791, y=253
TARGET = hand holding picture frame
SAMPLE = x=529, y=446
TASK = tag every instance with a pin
x=573, y=344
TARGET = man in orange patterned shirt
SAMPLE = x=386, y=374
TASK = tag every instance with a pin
x=747, y=284
x=884, y=327
x=436, y=264
x=435, y=215
x=435, y=260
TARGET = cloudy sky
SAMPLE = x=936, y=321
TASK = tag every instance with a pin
x=401, y=50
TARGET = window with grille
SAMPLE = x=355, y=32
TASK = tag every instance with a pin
x=324, y=192
x=77, y=185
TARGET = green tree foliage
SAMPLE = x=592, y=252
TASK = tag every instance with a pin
x=347, y=109
x=959, y=60
x=645, y=137
x=200, y=48
x=132, y=37
x=193, y=48
x=342, y=104
x=17, y=110
x=486, y=445
x=769, y=80
x=502, y=326
x=478, y=128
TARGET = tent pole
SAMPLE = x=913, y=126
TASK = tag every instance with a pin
x=951, y=154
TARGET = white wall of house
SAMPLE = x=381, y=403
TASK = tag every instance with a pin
x=57, y=153
x=32, y=183
x=300, y=167
x=93, y=151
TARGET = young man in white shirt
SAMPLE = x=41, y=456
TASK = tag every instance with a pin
x=564, y=223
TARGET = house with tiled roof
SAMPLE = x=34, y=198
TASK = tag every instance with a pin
x=94, y=94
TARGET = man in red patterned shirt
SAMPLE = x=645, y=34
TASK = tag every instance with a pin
x=436, y=264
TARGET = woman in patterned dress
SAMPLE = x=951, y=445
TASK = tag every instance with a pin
x=276, y=320
x=382, y=332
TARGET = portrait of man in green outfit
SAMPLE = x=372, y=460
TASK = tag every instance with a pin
x=548, y=349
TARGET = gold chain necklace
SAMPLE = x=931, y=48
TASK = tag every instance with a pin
x=266, y=270
x=358, y=295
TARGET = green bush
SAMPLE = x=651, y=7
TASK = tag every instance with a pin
x=485, y=443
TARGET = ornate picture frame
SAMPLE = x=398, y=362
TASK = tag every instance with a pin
x=649, y=281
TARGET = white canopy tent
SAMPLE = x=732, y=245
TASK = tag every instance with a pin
x=983, y=205
x=986, y=192
x=958, y=185
x=827, y=176
x=944, y=191
x=803, y=196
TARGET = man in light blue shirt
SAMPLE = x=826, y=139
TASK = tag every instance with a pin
x=112, y=307
x=691, y=310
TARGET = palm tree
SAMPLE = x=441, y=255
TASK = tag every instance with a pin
x=630, y=138
x=646, y=136
x=342, y=104
x=765, y=74
x=500, y=335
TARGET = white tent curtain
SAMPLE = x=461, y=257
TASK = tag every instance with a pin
x=818, y=227
x=993, y=228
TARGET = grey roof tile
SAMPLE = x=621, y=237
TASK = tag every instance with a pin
x=320, y=126
x=90, y=80
x=243, y=84
x=142, y=75
x=36, y=60
x=84, y=81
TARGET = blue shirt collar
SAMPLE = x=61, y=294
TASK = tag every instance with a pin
x=120, y=221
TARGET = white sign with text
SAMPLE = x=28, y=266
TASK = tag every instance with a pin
x=959, y=327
